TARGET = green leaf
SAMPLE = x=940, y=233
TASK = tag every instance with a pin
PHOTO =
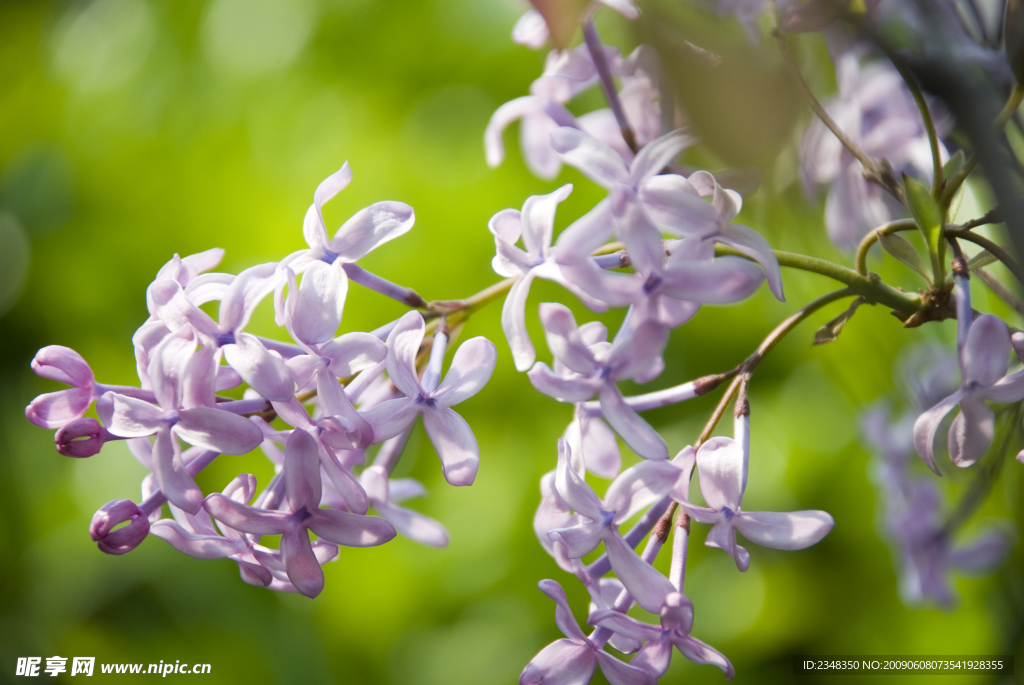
x=901, y=249
x=928, y=216
x=983, y=258
x=951, y=169
x=954, y=165
x=830, y=331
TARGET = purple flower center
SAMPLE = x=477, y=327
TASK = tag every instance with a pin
x=225, y=339
x=728, y=513
x=423, y=399
x=652, y=282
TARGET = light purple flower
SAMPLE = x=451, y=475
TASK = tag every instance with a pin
x=984, y=348
x=384, y=493
x=594, y=369
x=206, y=427
x=572, y=660
x=535, y=225
x=876, y=110
x=676, y=612
x=320, y=297
x=633, y=490
x=303, y=488
x=722, y=466
x=264, y=371
x=471, y=368
x=591, y=440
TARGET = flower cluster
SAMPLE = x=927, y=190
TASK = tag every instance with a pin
x=324, y=398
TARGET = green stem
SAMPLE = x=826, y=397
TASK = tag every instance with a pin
x=997, y=251
x=861, y=258
x=871, y=288
x=954, y=183
x=1016, y=97
x=929, y=125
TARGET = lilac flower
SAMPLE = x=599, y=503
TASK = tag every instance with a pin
x=82, y=438
x=592, y=441
x=676, y=612
x=58, y=409
x=604, y=592
x=566, y=74
x=876, y=110
x=535, y=225
x=531, y=30
x=572, y=660
x=384, y=494
x=246, y=354
x=303, y=488
x=553, y=513
x=635, y=489
x=206, y=427
x=104, y=531
x=984, y=348
x=452, y=437
x=594, y=369
x=722, y=465
x=320, y=297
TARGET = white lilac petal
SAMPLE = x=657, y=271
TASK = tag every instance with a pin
x=353, y=352
x=57, y=409
x=986, y=355
x=638, y=487
x=62, y=364
x=513, y=322
x=167, y=299
x=624, y=625
x=170, y=474
x=723, y=536
x=754, y=245
x=927, y=425
x=636, y=432
x=400, y=489
x=245, y=518
x=500, y=120
x=722, y=469
x=676, y=206
x=313, y=228
x=217, y=430
x=203, y=376
x=302, y=471
x=723, y=280
x=371, y=227
x=531, y=30
x=685, y=461
x=403, y=346
x=579, y=540
x=573, y=489
x=657, y=154
x=167, y=366
x=971, y=432
x=617, y=672
x=133, y=418
x=535, y=141
x=595, y=159
x=471, y=368
x=726, y=202
x=414, y=525
x=585, y=235
x=246, y=291
x=391, y=417
x=564, y=340
x=335, y=404
x=193, y=544
x=1008, y=390
x=301, y=563
x=563, y=662
x=791, y=530
x=506, y=225
x=320, y=302
x=265, y=372
x=610, y=287
x=344, y=482
x=631, y=356
x=563, y=614
x=350, y=530
x=538, y=220
x=641, y=237
x=561, y=388
x=700, y=653
x=647, y=585
x=699, y=513
x=600, y=449
x=455, y=444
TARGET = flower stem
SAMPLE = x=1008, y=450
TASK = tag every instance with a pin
x=860, y=260
x=604, y=73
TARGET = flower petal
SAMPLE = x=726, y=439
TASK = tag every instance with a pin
x=723, y=280
x=351, y=530
x=971, y=432
x=471, y=368
x=753, y=244
x=722, y=468
x=319, y=302
x=599, y=162
x=301, y=563
x=986, y=354
x=573, y=489
x=266, y=373
x=676, y=206
x=579, y=540
x=723, y=536
x=636, y=432
x=194, y=545
x=792, y=530
x=619, y=673
x=455, y=444
x=927, y=425
x=586, y=234
x=562, y=389
x=403, y=346
x=701, y=653
x=648, y=587
x=563, y=614
x=245, y=518
x=656, y=155
x=371, y=227
x=563, y=662
x=414, y=525
x=502, y=117
x=62, y=364
x=638, y=487
x=57, y=409
x=218, y=430
x=133, y=418
x=564, y=340
x=302, y=471
x=170, y=474
x=391, y=417
x=538, y=220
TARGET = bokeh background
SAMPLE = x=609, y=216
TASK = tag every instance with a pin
x=134, y=129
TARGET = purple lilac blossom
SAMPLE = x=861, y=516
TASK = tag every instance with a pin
x=452, y=437
x=594, y=369
x=573, y=659
x=984, y=349
x=875, y=109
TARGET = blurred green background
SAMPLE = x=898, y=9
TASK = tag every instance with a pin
x=134, y=129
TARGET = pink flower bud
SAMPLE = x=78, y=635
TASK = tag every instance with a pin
x=82, y=438
x=124, y=539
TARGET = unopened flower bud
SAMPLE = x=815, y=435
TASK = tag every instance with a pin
x=124, y=539
x=82, y=438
